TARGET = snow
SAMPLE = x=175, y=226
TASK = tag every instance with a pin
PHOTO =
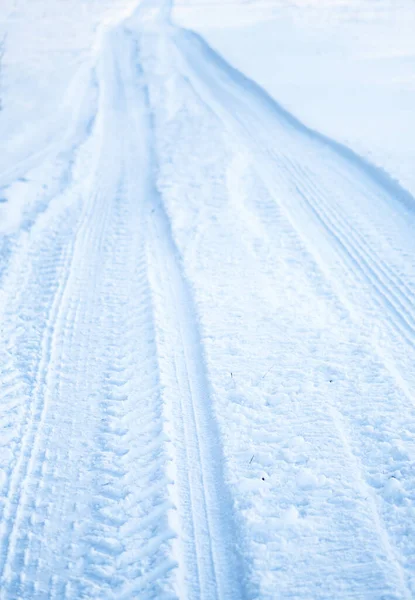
x=207, y=300
x=345, y=69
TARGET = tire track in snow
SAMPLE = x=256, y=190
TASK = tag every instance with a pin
x=92, y=516
x=57, y=474
x=305, y=197
x=206, y=544
x=45, y=292
x=47, y=301
x=35, y=413
x=219, y=90
x=128, y=539
x=363, y=449
x=208, y=564
x=16, y=272
x=42, y=310
x=361, y=267
x=390, y=289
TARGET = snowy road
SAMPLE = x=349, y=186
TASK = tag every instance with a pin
x=207, y=343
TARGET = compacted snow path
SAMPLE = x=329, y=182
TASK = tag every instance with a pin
x=207, y=346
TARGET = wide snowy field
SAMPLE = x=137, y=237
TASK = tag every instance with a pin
x=207, y=299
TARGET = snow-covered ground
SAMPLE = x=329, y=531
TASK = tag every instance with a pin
x=344, y=67
x=207, y=287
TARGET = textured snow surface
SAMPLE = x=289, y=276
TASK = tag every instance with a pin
x=207, y=328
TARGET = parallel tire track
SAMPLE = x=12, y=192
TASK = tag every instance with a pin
x=390, y=290
x=208, y=563
x=207, y=542
x=35, y=414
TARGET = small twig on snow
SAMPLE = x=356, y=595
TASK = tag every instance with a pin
x=269, y=371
